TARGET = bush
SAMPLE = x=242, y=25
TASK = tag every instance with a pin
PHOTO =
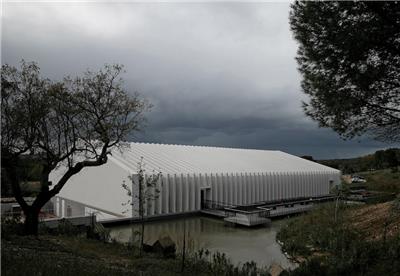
x=332, y=247
x=203, y=262
x=11, y=226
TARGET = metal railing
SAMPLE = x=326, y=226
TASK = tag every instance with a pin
x=216, y=205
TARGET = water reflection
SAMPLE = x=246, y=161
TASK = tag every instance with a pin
x=239, y=243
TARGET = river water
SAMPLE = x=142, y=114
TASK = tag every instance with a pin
x=240, y=244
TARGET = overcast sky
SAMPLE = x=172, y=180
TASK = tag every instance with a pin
x=217, y=74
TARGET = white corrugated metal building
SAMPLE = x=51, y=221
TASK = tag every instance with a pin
x=192, y=175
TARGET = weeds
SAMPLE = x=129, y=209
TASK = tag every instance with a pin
x=335, y=247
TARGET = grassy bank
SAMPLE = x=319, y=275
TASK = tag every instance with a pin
x=345, y=240
x=76, y=255
x=383, y=180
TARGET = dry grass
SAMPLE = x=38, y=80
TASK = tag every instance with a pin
x=374, y=221
x=383, y=180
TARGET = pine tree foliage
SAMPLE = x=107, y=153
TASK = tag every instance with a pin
x=349, y=57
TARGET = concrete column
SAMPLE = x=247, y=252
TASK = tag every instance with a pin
x=285, y=190
x=265, y=184
x=283, y=184
x=255, y=187
x=296, y=181
x=218, y=183
x=179, y=194
x=260, y=187
x=271, y=181
x=230, y=188
x=272, y=188
x=240, y=189
x=267, y=178
x=185, y=194
x=224, y=188
x=264, y=187
x=250, y=190
x=214, y=190
x=221, y=188
x=300, y=175
x=250, y=181
x=192, y=193
x=316, y=183
x=166, y=189
x=58, y=207
x=225, y=180
x=159, y=197
x=62, y=208
x=279, y=185
x=245, y=187
x=173, y=194
x=236, y=189
x=324, y=181
x=198, y=191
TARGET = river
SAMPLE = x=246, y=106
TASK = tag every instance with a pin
x=240, y=244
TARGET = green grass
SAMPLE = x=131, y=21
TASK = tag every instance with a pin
x=62, y=255
x=72, y=255
x=383, y=180
x=329, y=244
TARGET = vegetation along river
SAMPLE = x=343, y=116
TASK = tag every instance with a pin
x=238, y=243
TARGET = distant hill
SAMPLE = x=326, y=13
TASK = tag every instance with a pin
x=381, y=159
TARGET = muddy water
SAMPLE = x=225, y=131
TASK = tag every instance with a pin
x=240, y=244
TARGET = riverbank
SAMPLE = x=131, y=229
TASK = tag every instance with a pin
x=76, y=255
x=240, y=244
x=339, y=239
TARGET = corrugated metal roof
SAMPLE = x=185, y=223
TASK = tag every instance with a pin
x=177, y=159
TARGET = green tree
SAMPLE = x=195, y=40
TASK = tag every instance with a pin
x=349, y=57
x=387, y=158
x=74, y=122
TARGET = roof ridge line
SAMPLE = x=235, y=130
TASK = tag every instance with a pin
x=200, y=146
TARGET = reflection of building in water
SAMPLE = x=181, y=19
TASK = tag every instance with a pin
x=193, y=178
x=195, y=227
x=239, y=243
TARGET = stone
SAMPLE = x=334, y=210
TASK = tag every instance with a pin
x=165, y=246
x=147, y=248
x=275, y=269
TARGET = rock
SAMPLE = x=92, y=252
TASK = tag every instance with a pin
x=165, y=246
x=275, y=269
x=147, y=248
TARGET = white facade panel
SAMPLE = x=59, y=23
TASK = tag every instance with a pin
x=230, y=176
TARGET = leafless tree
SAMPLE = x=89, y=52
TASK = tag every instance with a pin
x=143, y=192
x=73, y=123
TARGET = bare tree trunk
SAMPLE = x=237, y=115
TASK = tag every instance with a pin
x=31, y=213
x=31, y=224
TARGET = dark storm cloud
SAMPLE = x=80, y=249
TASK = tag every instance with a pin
x=217, y=74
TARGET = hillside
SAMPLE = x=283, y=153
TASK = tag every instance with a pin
x=382, y=159
x=383, y=180
x=376, y=220
x=343, y=239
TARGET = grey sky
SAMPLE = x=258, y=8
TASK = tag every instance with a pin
x=217, y=74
